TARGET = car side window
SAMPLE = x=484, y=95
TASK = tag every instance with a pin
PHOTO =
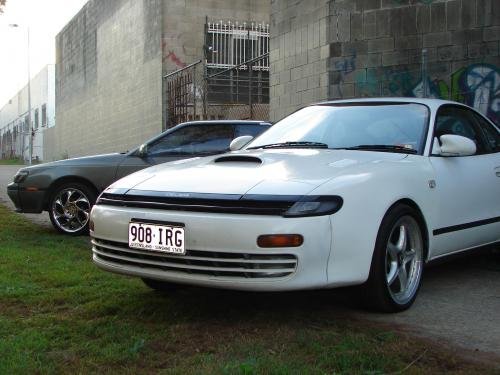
x=490, y=132
x=458, y=121
x=253, y=130
x=193, y=140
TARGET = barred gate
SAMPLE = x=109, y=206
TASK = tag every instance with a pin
x=184, y=97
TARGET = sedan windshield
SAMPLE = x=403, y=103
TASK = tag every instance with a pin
x=388, y=127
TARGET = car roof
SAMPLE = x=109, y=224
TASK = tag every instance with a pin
x=431, y=103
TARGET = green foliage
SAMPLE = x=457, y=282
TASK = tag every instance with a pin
x=15, y=161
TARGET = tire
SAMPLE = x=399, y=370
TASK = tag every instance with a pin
x=162, y=286
x=69, y=208
x=397, y=263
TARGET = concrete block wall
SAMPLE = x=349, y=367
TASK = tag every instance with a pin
x=108, y=79
x=299, y=54
x=376, y=50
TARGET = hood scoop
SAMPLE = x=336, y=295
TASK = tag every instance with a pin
x=238, y=159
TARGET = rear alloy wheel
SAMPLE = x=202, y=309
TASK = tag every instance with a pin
x=69, y=208
x=162, y=286
x=397, y=264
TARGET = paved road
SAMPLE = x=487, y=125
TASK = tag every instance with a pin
x=459, y=302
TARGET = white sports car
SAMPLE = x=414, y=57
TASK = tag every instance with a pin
x=338, y=193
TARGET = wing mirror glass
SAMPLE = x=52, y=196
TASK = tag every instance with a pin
x=238, y=143
x=143, y=150
x=454, y=145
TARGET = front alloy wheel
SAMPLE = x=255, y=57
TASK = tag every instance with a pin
x=397, y=263
x=70, y=207
x=404, y=252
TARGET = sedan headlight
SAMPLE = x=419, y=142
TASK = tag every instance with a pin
x=20, y=176
x=315, y=206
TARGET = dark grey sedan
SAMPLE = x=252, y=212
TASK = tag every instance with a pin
x=67, y=189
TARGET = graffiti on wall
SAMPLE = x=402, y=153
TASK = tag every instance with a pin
x=477, y=85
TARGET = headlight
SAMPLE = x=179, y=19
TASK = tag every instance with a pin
x=20, y=176
x=315, y=206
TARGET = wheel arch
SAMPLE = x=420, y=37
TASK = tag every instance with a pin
x=421, y=220
x=65, y=180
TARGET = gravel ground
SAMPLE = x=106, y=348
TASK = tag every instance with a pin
x=458, y=304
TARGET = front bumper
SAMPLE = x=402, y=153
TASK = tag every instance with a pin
x=221, y=250
x=26, y=201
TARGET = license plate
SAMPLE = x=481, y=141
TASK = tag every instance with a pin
x=156, y=237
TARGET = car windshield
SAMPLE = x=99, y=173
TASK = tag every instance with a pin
x=390, y=127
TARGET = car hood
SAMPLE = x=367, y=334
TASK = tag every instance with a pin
x=94, y=160
x=282, y=172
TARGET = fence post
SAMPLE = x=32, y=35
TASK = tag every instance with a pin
x=195, y=69
x=425, y=81
x=250, y=73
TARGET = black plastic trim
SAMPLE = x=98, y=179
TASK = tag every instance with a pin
x=473, y=224
x=253, y=204
x=238, y=159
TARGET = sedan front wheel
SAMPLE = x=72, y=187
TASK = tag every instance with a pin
x=397, y=263
x=69, y=208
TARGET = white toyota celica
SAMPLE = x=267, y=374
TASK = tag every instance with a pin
x=338, y=193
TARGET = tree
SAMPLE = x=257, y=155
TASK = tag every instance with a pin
x=2, y=5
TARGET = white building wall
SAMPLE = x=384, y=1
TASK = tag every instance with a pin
x=14, y=134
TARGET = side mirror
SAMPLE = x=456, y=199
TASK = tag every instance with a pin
x=143, y=150
x=454, y=145
x=237, y=143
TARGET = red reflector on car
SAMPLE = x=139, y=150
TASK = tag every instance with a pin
x=280, y=240
x=31, y=188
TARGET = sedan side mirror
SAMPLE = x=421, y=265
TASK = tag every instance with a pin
x=454, y=145
x=143, y=150
x=238, y=143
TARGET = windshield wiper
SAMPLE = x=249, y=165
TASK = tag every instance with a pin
x=302, y=144
x=385, y=148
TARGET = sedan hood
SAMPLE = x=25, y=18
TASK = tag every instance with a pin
x=281, y=172
x=89, y=161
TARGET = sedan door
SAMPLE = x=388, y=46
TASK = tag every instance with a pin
x=468, y=188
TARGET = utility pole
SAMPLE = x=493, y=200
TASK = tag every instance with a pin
x=30, y=127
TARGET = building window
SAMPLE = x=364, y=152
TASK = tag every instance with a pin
x=237, y=62
x=44, y=115
x=36, y=118
x=231, y=44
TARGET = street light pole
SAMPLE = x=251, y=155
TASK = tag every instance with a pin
x=30, y=127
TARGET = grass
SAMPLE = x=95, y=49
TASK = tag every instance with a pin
x=60, y=314
x=14, y=161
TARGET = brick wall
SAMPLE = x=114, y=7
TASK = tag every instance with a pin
x=375, y=49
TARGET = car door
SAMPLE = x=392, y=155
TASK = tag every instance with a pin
x=188, y=141
x=467, y=187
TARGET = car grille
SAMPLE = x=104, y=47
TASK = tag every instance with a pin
x=223, y=265
x=235, y=204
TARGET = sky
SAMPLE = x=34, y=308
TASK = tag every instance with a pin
x=45, y=18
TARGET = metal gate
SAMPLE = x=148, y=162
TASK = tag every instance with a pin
x=184, y=96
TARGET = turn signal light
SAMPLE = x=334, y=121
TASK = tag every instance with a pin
x=280, y=240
